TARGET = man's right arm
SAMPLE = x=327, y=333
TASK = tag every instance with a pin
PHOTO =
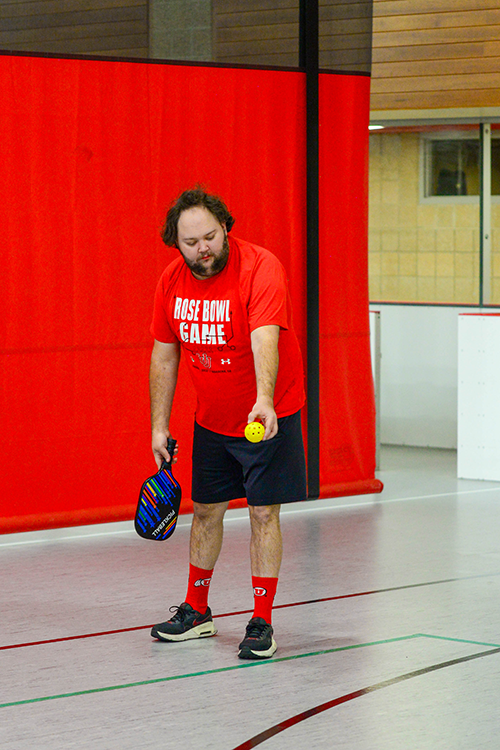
x=162, y=382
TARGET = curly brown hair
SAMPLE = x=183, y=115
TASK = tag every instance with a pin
x=195, y=197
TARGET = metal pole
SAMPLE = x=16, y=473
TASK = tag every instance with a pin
x=485, y=216
x=309, y=60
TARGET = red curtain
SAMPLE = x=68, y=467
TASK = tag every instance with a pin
x=92, y=152
x=347, y=415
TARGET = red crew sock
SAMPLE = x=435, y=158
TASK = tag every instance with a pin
x=198, y=585
x=264, y=591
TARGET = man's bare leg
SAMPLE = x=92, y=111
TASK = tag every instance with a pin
x=266, y=545
x=206, y=534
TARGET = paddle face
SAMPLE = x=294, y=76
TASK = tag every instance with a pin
x=159, y=501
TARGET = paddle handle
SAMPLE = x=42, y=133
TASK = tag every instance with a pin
x=171, y=443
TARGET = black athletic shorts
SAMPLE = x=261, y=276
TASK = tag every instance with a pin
x=266, y=473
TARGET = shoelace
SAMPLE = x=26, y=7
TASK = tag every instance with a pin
x=180, y=614
x=255, y=630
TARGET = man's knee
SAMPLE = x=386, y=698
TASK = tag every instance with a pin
x=264, y=515
x=209, y=513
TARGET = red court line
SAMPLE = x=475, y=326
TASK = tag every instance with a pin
x=249, y=611
x=104, y=632
x=73, y=637
x=258, y=739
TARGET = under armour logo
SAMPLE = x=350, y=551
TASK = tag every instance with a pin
x=225, y=361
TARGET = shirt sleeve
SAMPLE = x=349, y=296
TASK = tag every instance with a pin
x=269, y=294
x=160, y=327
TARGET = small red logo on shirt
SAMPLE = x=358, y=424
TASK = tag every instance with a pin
x=205, y=360
x=259, y=591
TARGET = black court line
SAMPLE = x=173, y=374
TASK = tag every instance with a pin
x=258, y=739
x=249, y=611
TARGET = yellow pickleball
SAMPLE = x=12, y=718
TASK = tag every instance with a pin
x=254, y=432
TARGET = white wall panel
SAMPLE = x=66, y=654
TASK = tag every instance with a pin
x=479, y=397
x=419, y=374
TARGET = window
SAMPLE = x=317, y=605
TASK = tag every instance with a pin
x=451, y=166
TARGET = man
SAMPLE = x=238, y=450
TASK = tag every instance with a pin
x=225, y=303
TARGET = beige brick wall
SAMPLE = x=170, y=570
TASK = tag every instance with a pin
x=421, y=252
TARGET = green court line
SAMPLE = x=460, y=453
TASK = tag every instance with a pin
x=207, y=672
x=158, y=680
x=458, y=640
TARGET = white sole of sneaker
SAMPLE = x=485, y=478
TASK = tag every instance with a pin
x=200, y=631
x=247, y=653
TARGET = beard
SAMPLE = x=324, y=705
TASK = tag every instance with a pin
x=218, y=263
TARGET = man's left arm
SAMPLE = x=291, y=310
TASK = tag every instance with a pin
x=266, y=360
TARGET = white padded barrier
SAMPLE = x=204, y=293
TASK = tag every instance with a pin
x=479, y=396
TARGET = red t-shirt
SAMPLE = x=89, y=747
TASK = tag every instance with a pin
x=213, y=318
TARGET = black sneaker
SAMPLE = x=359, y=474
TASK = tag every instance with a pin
x=258, y=642
x=185, y=624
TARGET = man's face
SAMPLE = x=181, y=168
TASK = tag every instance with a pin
x=202, y=242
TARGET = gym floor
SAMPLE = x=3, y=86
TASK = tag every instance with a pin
x=387, y=620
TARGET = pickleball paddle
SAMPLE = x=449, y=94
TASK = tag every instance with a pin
x=159, y=501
